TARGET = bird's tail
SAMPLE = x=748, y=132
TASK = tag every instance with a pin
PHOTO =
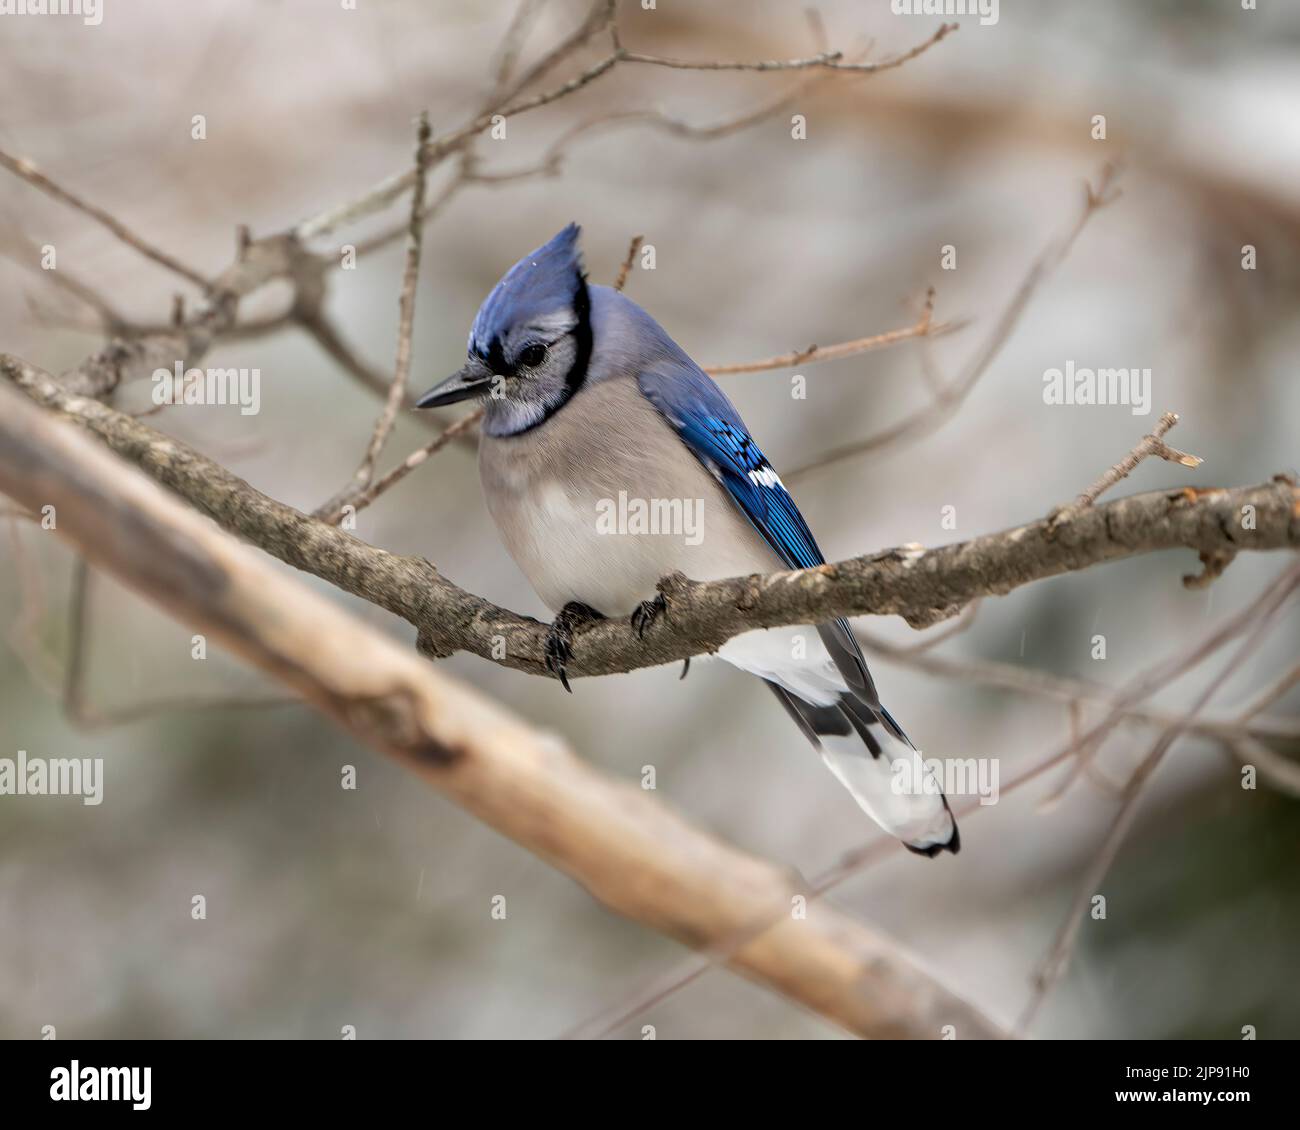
x=875, y=760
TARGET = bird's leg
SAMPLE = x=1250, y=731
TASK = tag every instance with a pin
x=647, y=612
x=559, y=640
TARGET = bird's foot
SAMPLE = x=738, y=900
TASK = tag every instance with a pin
x=559, y=639
x=647, y=612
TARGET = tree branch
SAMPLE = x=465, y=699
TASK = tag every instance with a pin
x=364, y=477
x=26, y=170
x=923, y=586
x=827, y=60
x=527, y=785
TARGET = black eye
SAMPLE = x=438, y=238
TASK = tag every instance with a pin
x=533, y=356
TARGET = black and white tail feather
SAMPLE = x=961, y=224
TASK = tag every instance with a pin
x=862, y=745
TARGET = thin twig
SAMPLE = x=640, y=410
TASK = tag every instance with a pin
x=512, y=45
x=962, y=623
x=428, y=211
x=1151, y=444
x=1016, y=679
x=324, y=333
x=828, y=60
x=361, y=499
x=816, y=353
x=108, y=318
x=406, y=324
x=951, y=397
x=1270, y=695
x=21, y=167
x=626, y=268
x=85, y=716
x=1058, y=957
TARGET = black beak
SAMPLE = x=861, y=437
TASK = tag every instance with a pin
x=459, y=386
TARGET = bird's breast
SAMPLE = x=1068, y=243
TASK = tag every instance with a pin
x=602, y=500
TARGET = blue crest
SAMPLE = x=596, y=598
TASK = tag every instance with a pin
x=541, y=285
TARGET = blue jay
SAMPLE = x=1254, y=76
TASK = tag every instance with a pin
x=588, y=400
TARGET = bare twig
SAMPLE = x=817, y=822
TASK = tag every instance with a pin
x=512, y=103
x=1059, y=688
x=599, y=17
x=626, y=269
x=284, y=256
x=429, y=210
x=951, y=397
x=816, y=353
x=1270, y=695
x=83, y=714
x=1053, y=966
x=361, y=499
x=1151, y=444
x=512, y=45
x=108, y=318
x=365, y=473
x=828, y=60
x=962, y=623
x=21, y=167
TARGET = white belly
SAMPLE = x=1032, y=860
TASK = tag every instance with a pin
x=599, y=511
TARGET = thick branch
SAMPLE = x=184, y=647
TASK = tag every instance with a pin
x=923, y=586
x=629, y=850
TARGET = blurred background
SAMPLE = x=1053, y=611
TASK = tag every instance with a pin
x=372, y=907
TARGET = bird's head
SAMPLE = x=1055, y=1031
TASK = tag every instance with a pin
x=530, y=343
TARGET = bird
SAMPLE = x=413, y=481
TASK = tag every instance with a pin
x=586, y=400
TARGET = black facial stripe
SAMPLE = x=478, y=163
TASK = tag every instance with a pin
x=582, y=340
x=496, y=358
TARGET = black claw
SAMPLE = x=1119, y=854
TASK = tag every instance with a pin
x=647, y=612
x=686, y=667
x=559, y=640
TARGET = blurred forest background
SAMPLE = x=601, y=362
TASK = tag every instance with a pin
x=372, y=907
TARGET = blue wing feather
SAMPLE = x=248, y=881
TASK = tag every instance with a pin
x=754, y=486
x=713, y=430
